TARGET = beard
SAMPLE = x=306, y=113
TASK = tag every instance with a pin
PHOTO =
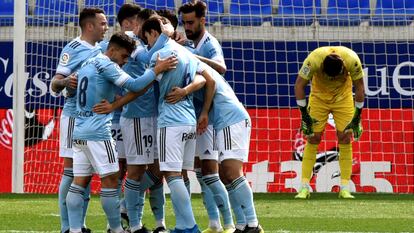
x=193, y=35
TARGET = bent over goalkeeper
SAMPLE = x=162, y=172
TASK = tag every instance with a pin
x=332, y=72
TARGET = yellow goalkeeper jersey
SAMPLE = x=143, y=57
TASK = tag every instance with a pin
x=327, y=88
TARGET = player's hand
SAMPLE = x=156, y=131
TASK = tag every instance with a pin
x=167, y=28
x=307, y=122
x=165, y=64
x=355, y=125
x=176, y=94
x=71, y=81
x=202, y=123
x=104, y=107
x=179, y=37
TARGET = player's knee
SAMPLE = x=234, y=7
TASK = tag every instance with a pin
x=110, y=181
x=135, y=172
x=315, y=139
x=209, y=167
x=344, y=138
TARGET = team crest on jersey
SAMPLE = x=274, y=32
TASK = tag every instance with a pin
x=64, y=59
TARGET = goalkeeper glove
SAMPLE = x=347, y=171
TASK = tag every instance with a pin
x=355, y=125
x=307, y=122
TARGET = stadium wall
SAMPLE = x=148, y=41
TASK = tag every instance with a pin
x=262, y=74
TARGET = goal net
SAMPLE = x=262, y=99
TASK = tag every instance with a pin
x=264, y=44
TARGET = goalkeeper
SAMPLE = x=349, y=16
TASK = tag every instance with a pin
x=332, y=72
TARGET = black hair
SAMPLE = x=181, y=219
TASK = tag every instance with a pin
x=146, y=13
x=123, y=41
x=126, y=11
x=332, y=65
x=198, y=6
x=151, y=24
x=170, y=15
x=88, y=14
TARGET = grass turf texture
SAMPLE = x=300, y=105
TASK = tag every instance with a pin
x=324, y=212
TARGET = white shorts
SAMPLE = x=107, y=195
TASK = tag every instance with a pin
x=205, y=145
x=176, y=148
x=67, y=124
x=119, y=143
x=233, y=141
x=90, y=156
x=139, y=139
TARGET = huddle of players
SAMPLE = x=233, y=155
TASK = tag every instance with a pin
x=175, y=104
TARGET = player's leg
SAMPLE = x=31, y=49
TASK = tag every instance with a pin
x=65, y=151
x=176, y=146
x=120, y=149
x=208, y=197
x=157, y=196
x=343, y=112
x=104, y=159
x=208, y=155
x=233, y=147
x=136, y=142
x=82, y=169
x=319, y=111
x=186, y=179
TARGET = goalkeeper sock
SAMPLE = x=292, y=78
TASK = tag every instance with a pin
x=345, y=163
x=308, y=161
x=64, y=185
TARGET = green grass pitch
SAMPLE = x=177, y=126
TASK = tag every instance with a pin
x=276, y=212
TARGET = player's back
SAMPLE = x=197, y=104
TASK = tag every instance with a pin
x=227, y=108
x=72, y=56
x=95, y=82
x=181, y=113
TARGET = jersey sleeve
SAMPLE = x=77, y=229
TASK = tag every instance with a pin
x=308, y=68
x=215, y=52
x=113, y=73
x=355, y=66
x=68, y=61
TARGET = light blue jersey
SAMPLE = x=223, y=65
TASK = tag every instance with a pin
x=226, y=109
x=145, y=105
x=117, y=112
x=97, y=80
x=181, y=113
x=210, y=48
x=71, y=58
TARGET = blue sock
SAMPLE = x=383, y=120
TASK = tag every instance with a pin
x=110, y=204
x=132, y=193
x=119, y=189
x=64, y=185
x=244, y=196
x=86, y=198
x=181, y=203
x=147, y=181
x=75, y=202
x=208, y=198
x=187, y=186
x=221, y=197
x=237, y=210
x=157, y=200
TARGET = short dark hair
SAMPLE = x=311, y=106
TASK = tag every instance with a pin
x=170, y=15
x=151, y=24
x=123, y=41
x=146, y=13
x=333, y=65
x=127, y=10
x=198, y=6
x=88, y=14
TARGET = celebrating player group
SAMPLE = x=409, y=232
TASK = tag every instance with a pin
x=151, y=103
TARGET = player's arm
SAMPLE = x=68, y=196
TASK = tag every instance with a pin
x=355, y=125
x=210, y=89
x=60, y=82
x=300, y=94
x=105, y=107
x=219, y=66
x=178, y=93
